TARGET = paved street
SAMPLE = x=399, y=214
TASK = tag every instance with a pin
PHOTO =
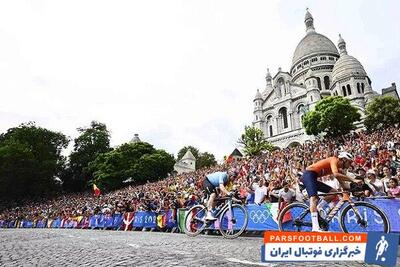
x=62, y=247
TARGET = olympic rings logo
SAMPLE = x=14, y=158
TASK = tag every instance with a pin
x=259, y=216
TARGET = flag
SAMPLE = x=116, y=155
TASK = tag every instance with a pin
x=288, y=215
x=127, y=222
x=229, y=159
x=96, y=190
x=161, y=220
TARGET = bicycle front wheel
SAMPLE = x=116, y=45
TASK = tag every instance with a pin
x=233, y=222
x=195, y=220
x=295, y=217
x=363, y=217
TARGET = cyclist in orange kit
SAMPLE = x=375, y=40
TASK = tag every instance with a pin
x=321, y=168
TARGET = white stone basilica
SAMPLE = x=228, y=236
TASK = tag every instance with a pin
x=318, y=70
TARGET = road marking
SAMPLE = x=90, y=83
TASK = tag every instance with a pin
x=133, y=245
x=250, y=262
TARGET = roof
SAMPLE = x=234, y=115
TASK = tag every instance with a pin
x=236, y=152
x=258, y=95
x=390, y=90
x=188, y=155
x=312, y=44
x=136, y=139
x=347, y=66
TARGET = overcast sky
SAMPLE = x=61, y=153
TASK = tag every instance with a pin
x=175, y=72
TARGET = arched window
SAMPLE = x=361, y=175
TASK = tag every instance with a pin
x=326, y=82
x=281, y=85
x=358, y=88
x=344, y=91
x=300, y=108
x=311, y=98
x=348, y=89
x=319, y=83
x=300, y=111
x=283, y=114
x=269, y=125
x=362, y=88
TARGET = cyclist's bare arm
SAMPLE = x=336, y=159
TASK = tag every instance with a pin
x=223, y=189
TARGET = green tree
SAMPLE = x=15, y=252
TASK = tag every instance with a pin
x=203, y=159
x=333, y=115
x=30, y=161
x=92, y=141
x=253, y=141
x=382, y=112
x=139, y=161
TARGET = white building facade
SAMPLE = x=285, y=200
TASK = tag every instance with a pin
x=186, y=164
x=319, y=69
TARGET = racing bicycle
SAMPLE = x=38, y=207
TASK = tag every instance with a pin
x=356, y=217
x=231, y=223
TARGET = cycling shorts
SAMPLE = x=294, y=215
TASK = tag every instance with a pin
x=208, y=187
x=313, y=186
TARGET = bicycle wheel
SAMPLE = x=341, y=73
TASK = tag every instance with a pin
x=295, y=217
x=363, y=217
x=194, y=222
x=232, y=223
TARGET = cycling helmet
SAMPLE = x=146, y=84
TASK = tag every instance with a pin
x=345, y=155
x=233, y=173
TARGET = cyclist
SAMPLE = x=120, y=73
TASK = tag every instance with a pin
x=327, y=166
x=214, y=181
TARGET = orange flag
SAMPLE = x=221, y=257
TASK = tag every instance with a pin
x=96, y=190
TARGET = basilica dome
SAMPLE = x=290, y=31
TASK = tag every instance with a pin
x=314, y=43
x=346, y=65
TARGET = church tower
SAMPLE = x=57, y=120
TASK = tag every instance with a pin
x=350, y=78
x=258, y=117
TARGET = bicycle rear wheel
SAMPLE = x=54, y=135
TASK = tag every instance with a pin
x=295, y=217
x=232, y=223
x=363, y=217
x=195, y=220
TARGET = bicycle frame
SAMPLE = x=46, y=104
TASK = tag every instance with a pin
x=227, y=204
x=332, y=212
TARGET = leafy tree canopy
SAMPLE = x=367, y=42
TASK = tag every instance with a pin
x=30, y=161
x=139, y=161
x=382, y=112
x=92, y=141
x=253, y=141
x=333, y=115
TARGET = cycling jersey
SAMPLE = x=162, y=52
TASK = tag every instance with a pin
x=321, y=168
x=325, y=166
x=217, y=178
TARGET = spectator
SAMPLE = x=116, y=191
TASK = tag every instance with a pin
x=386, y=177
x=375, y=184
x=360, y=188
x=332, y=182
x=287, y=194
x=260, y=191
x=394, y=188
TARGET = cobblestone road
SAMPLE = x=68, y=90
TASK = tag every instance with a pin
x=62, y=247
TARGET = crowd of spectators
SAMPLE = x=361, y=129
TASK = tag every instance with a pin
x=266, y=178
